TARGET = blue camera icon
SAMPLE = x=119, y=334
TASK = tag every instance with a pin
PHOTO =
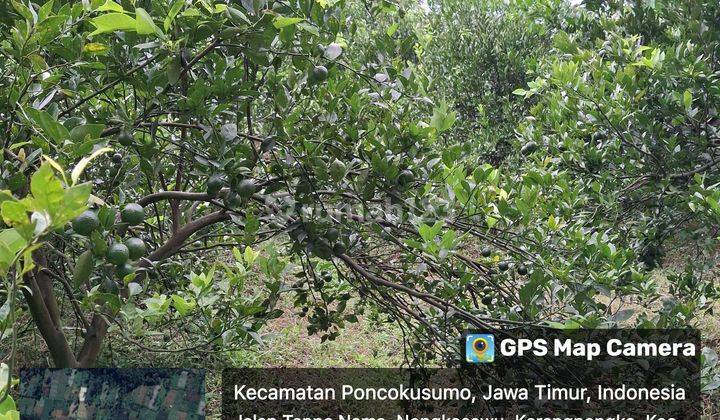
x=479, y=348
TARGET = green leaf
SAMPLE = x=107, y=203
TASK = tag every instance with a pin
x=442, y=119
x=429, y=233
x=83, y=268
x=552, y=222
x=183, y=306
x=10, y=415
x=562, y=42
x=392, y=29
x=145, y=24
x=326, y=3
x=75, y=201
x=85, y=132
x=714, y=205
x=282, y=21
x=687, y=100
x=99, y=246
x=6, y=195
x=237, y=17
x=25, y=11
x=14, y=213
x=157, y=305
x=309, y=28
x=249, y=256
x=448, y=240
x=134, y=288
x=4, y=313
x=50, y=127
x=111, y=22
x=110, y=6
x=50, y=161
x=110, y=299
x=107, y=217
x=528, y=293
x=11, y=242
x=8, y=408
x=491, y=220
x=174, y=10
x=46, y=189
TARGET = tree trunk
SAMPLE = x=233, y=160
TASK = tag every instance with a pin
x=93, y=341
x=44, y=310
x=43, y=306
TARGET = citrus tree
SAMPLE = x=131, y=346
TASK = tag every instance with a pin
x=210, y=141
x=477, y=54
x=630, y=116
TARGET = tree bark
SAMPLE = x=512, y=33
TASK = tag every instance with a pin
x=176, y=241
x=46, y=315
x=93, y=341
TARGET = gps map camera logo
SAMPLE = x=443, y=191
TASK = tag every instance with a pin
x=479, y=348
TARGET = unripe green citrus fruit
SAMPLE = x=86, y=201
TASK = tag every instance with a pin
x=522, y=269
x=339, y=248
x=118, y=254
x=337, y=170
x=136, y=248
x=319, y=74
x=406, y=177
x=132, y=214
x=246, y=188
x=125, y=138
x=86, y=223
x=528, y=148
x=332, y=234
x=215, y=184
x=124, y=270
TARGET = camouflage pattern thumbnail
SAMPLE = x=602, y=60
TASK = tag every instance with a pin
x=147, y=394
